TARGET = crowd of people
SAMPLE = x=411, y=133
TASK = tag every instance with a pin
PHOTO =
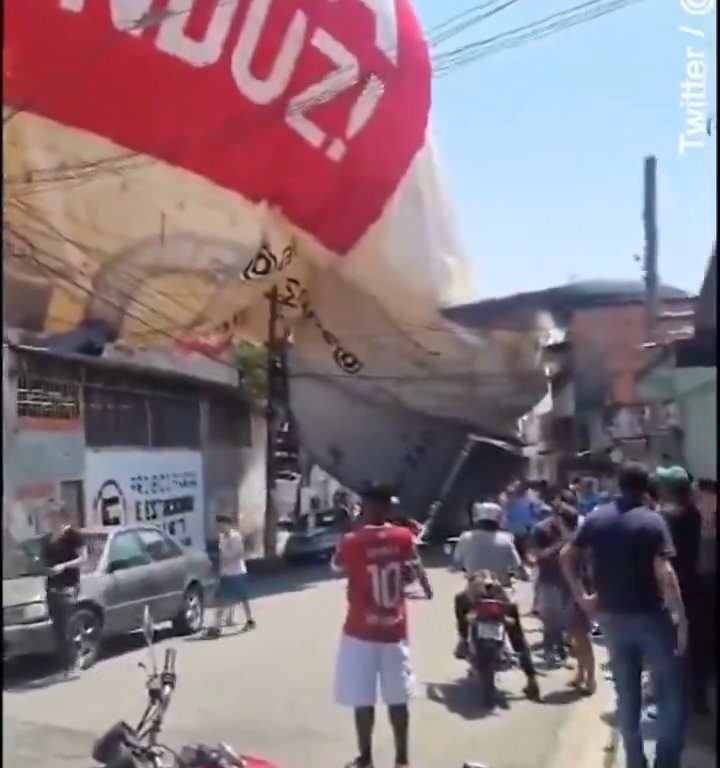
x=627, y=565
x=623, y=564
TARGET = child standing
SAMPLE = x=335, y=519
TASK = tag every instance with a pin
x=233, y=576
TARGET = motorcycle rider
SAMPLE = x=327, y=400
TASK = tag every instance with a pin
x=488, y=548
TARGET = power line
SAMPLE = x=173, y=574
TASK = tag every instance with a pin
x=148, y=20
x=473, y=19
x=469, y=377
x=443, y=25
x=403, y=330
x=445, y=62
x=580, y=14
x=508, y=39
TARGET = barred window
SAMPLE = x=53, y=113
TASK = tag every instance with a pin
x=174, y=422
x=229, y=423
x=47, y=399
x=114, y=418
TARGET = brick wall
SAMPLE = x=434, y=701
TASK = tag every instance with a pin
x=607, y=347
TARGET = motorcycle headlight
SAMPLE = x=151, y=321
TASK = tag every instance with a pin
x=25, y=614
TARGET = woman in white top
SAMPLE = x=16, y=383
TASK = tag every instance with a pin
x=233, y=576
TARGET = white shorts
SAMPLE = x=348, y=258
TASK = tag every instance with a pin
x=363, y=665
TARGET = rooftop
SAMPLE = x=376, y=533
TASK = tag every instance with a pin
x=558, y=299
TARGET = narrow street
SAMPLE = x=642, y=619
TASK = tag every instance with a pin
x=269, y=693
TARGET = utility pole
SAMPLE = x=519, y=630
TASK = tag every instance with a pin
x=650, y=262
x=270, y=528
x=651, y=254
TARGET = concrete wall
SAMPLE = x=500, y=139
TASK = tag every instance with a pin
x=36, y=461
x=234, y=483
x=251, y=488
x=698, y=407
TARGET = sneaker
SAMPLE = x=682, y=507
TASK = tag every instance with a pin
x=651, y=712
x=358, y=763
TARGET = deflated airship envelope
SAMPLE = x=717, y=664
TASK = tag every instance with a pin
x=168, y=162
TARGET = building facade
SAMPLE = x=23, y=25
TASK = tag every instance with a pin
x=594, y=414
x=121, y=442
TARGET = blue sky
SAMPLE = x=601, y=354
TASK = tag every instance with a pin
x=542, y=147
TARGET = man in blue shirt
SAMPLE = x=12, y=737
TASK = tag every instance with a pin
x=588, y=496
x=520, y=516
x=640, y=610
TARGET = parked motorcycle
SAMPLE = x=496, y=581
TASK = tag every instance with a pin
x=123, y=746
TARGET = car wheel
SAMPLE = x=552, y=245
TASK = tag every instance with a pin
x=85, y=636
x=190, y=619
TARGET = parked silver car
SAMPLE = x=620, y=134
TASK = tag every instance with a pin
x=319, y=541
x=128, y=567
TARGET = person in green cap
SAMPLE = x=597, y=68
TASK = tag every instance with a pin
x=676, y=504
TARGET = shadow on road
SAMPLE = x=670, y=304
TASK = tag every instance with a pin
x=563, y=698
x=295, y=578
x=32, y=673
x=35, y=672
x=462, y=697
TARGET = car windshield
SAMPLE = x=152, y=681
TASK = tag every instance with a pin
x=23, y=559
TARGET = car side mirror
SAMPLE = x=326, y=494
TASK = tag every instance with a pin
x=114, y=566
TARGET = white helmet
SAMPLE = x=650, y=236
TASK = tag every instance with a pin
x=486, y=510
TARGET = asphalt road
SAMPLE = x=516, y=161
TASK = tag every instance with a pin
x=269, y=693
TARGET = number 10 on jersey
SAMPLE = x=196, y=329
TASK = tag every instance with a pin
x=387, y=587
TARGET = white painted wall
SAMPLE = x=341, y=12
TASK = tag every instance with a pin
x=251, y=491
x=160, y=487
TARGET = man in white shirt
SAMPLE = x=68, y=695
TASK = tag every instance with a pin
x=488, y=548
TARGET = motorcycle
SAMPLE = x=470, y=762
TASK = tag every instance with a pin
x=123, y=746
x=487, y=631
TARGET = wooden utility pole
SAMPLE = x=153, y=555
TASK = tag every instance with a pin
x=270, y=528
x=650, y=262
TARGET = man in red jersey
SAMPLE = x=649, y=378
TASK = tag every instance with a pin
x=374, y=648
